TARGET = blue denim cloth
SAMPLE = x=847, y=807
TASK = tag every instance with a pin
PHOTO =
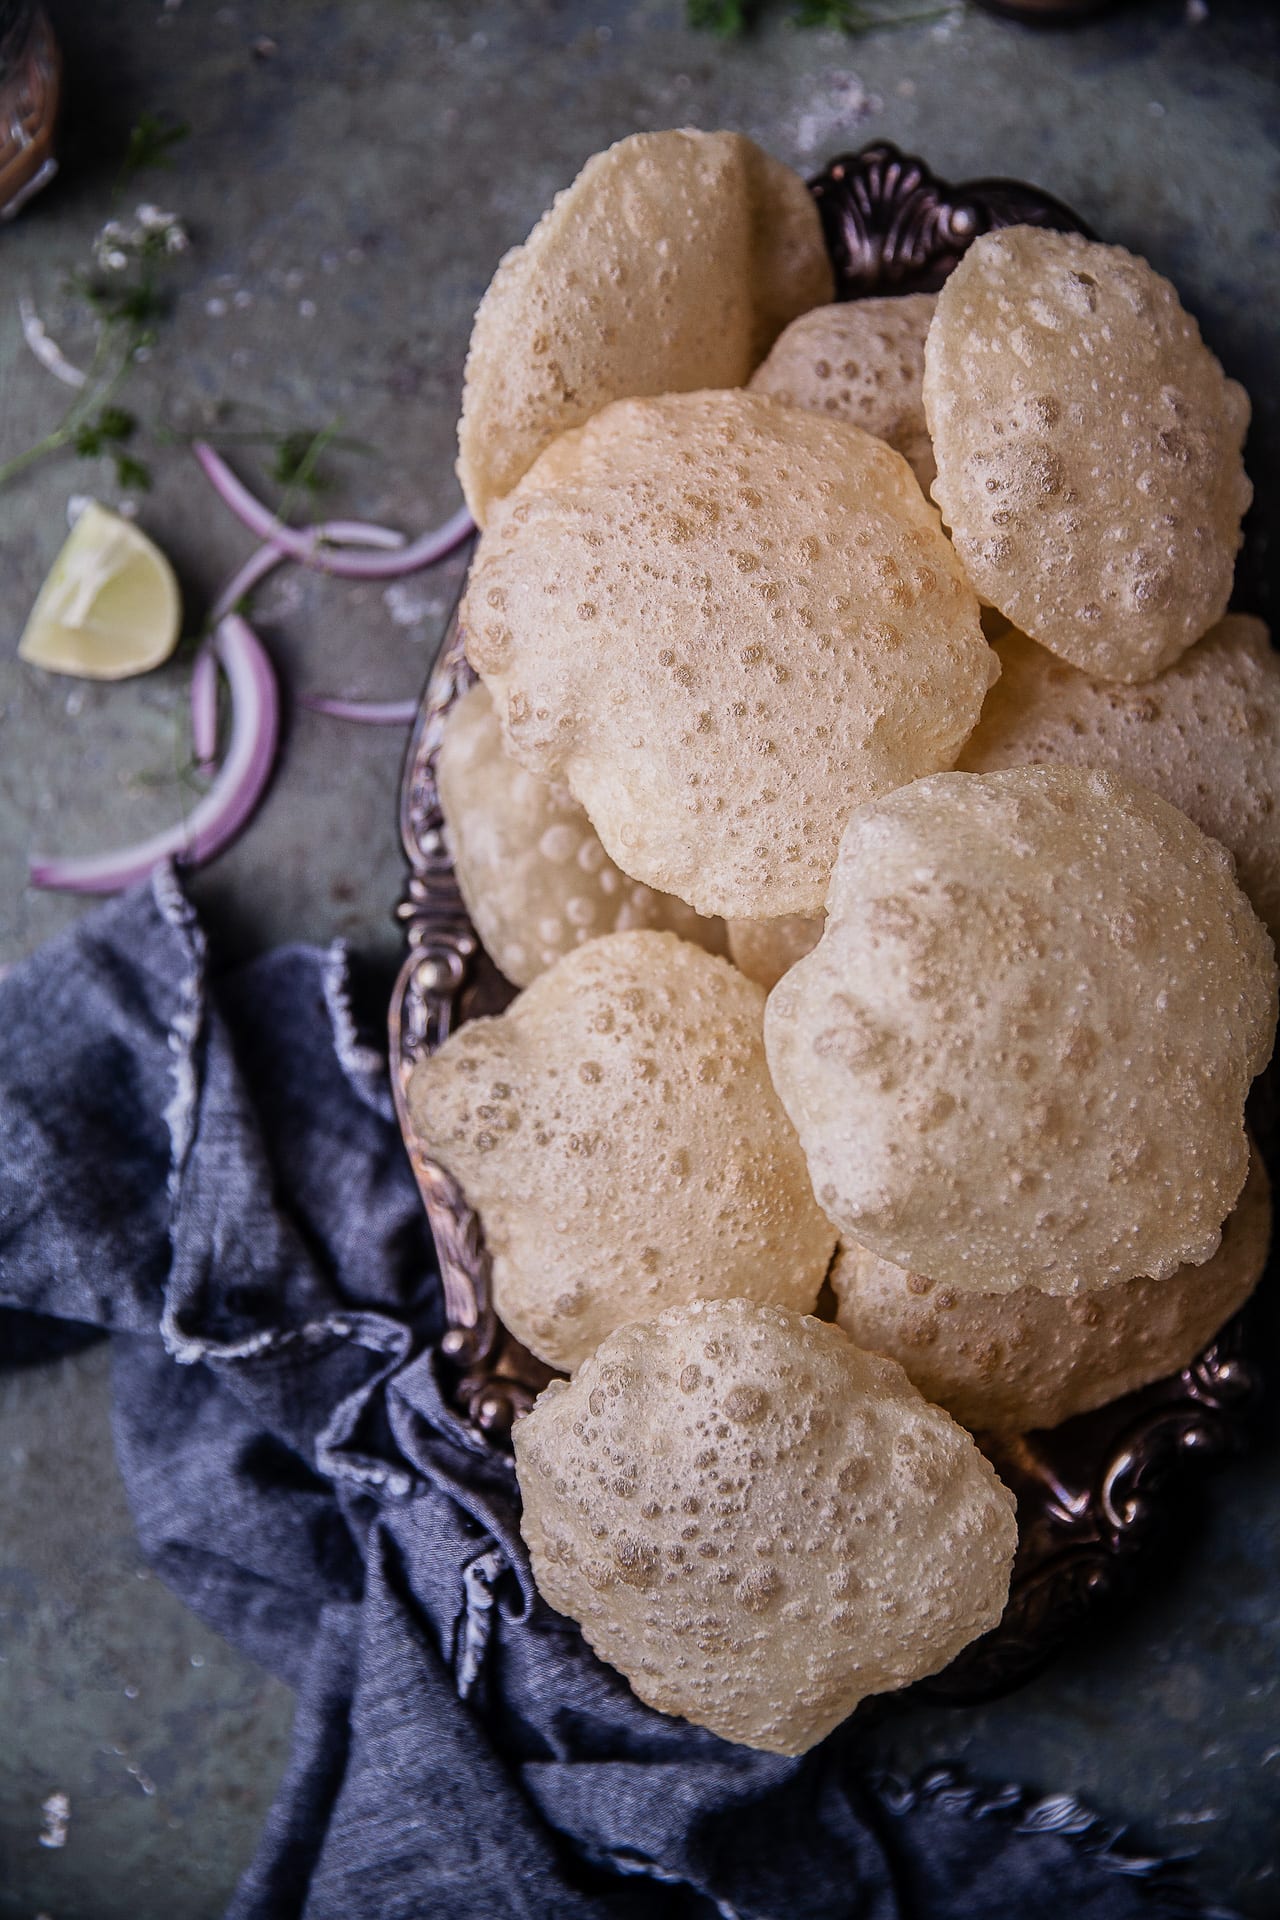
x=208, y=1168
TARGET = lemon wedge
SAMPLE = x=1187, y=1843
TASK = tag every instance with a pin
x=110, y=606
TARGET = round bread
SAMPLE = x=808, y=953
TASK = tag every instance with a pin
x=1008, y=1362
x=861, y=361
x=1205, y=735
x=765, y=949
x=535, y=879
x=671, y=263
x=756, y=1523
x=1088, y=448
x=1019, y=1054
x=618, y=1135
x=723, y=623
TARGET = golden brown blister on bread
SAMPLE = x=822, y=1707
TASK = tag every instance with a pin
x=1205, y=735
x=671, y=263
x=758, y=1524
x=1008, y=1362
x=617, y=1132
x=1088, y=448
x=1019, y=1054
x=723, y=623
x=860, y=361
x=529, y=865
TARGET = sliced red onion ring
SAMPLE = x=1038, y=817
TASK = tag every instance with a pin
x=356, y=533
x=230, y=802
x=366, y=713
x=307, y=544
x=264, y=560
x=47, y=351
x=204, y=708
x=261, y=562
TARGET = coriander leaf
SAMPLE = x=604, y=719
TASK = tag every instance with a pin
x=151, y=140
x=115, y=423
x=722, y=16
x=294, y=460
x=134, y=476
x=111, y=426
x=297, y=462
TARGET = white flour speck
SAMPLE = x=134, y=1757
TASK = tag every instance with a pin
x=57, y=1817
x=407, y=608
x=843, y=104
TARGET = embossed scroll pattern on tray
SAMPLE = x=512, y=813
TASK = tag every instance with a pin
x=1091, y=1493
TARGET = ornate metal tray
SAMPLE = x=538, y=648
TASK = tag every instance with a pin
x=1091, y=1493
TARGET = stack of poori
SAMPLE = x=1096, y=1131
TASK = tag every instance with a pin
x=731, y=658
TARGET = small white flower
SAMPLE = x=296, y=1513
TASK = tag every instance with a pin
x=177, y=239
x=113, y=260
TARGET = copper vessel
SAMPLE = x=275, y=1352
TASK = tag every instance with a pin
x=30, y=95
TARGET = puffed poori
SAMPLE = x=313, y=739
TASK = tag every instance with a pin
x=757, y=1523
x=1205, y=735
x=1019, y=1054
x=671, y=263
x=1007, y=1362
x=529, y=865
x=617, y=1133
x=861, y=361
x=723, y=623
x=1088, y=448
x=765, y=949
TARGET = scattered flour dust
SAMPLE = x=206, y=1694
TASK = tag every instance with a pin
x=409, y=608
x=844, y=103
x=57, y=1818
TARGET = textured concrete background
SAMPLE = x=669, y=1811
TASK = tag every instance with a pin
x=352, y=174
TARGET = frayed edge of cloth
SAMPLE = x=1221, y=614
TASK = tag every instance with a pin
x=1054, y=1813
x=639, y=1865
x=476, y=1623
x=363, y=1065
x=185, y=1028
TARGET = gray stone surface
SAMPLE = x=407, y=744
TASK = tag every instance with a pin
x=352, y=175
x=166, y=1744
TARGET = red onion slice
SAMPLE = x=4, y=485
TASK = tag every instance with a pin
x=307, y=544
x=230, y=802
x=366, y=713
x=264, y=560
x=356, y=533
x=261, y=562
x=204, y=708
x=47, y=351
